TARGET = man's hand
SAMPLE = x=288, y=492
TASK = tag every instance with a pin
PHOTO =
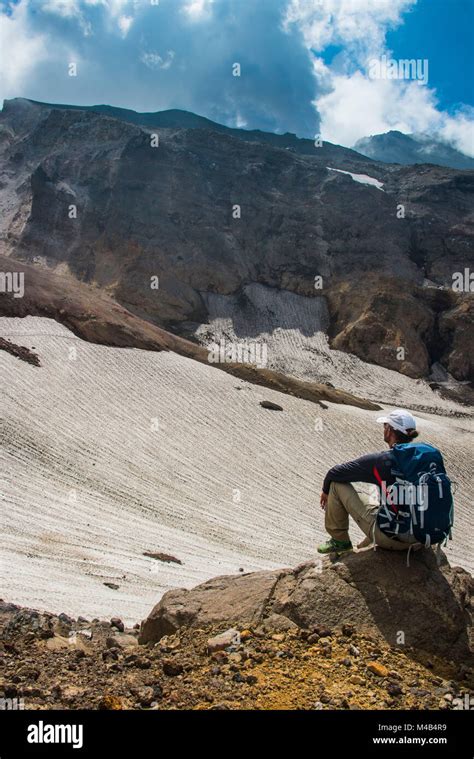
x=323, y=500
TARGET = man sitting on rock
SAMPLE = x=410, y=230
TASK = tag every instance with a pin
x=339, y=499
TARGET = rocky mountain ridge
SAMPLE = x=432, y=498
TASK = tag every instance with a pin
x=396, y=147
x=208, y=211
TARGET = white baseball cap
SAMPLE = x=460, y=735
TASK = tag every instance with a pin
x=400, y=420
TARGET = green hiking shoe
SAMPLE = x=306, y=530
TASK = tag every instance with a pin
x=335, y=546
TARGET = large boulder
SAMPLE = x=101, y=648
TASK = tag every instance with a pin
x=424, y=606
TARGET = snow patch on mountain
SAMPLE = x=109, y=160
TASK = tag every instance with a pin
x=361, y=178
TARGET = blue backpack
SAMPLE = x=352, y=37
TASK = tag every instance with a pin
x=420, y=502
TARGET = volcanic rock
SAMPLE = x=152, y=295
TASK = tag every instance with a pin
x=357, y=589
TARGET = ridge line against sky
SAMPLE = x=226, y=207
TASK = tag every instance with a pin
x=305, y=65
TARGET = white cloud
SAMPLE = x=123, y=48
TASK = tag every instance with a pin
x=64, y=8
x=124, y=23
x=155, y=61
x=22, y=50
x=358, y=106
x=459, y=130
x=351, y=104
x=69, y=9
x=198, y=10
x=118, y=10
x=118, y=7
x=359, y=25
x=115, y=7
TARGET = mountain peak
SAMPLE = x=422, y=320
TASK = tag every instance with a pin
x=397, y=147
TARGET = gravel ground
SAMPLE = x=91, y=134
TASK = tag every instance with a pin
x=61, y=663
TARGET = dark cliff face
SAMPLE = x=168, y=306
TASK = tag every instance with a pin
x=81, y=188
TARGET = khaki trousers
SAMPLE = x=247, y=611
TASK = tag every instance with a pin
x=343, y=500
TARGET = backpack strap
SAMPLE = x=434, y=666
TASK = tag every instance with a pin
x=384, y=489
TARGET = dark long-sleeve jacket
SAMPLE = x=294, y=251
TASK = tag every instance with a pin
x=362, y=470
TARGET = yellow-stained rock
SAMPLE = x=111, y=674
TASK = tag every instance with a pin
x=110, y=702
x=377, y=668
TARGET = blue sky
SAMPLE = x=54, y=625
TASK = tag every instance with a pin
x=304, y=63
x=442, y=31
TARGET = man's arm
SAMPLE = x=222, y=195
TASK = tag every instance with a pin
x=359, y=470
